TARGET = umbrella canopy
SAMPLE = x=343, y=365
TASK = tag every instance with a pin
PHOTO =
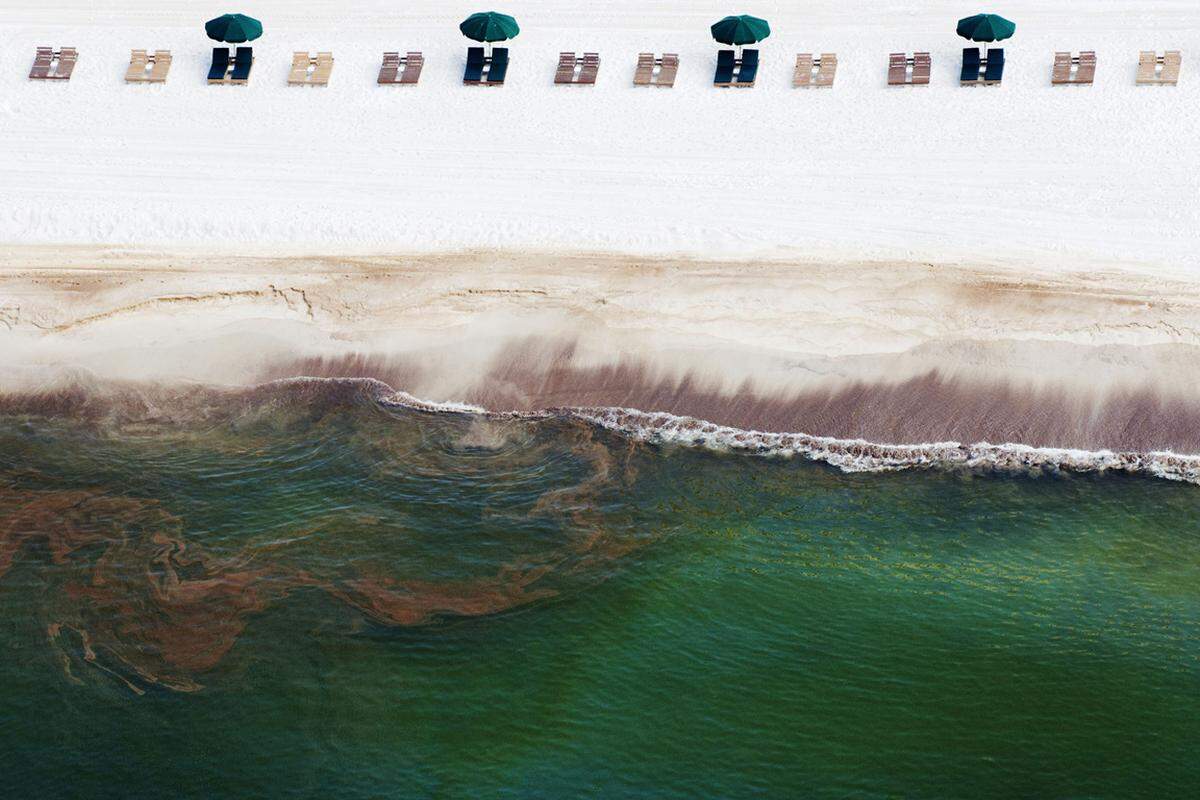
x=488, y=26
x=233, y=28
x=741, y=29
x=986, y=28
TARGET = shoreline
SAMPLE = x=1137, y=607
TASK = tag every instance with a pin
x=906, y=354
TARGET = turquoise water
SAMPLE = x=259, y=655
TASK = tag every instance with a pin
x=297, y=598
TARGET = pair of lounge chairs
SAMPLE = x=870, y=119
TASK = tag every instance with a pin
x=577, y=71
x=733, y=71
x=53, y=65
x=146, y=67
x=231, y=69
x=403, y=71
x=653, y=71
x=483, y=70
x=906, y=70
x=1156, y=70
x=982, y=71
x=1074, y=70
x=812, y=72
x=310, y=70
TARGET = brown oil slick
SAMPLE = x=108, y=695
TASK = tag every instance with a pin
x=139, y=602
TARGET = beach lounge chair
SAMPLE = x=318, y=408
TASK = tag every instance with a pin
x=803, y=75
x=748, y=69
x=905, y=70
x=565, y=73
x=389, y=70
x=147, y=68
x=726, y=63
x=53, y=65
x=644, y=74
x=323, y=70
x=300, y=66
x=309, y=70
x=243, y=62
x=220, y=65
x=42, y=60
x=922, y=67
x=972, y=66
x=578, y=71
x=826, y=69
x=160, y=66
x=668, y=69
x=1073, y=70
x=653, y=71
x=414, y=62
x=139, y=66
x=814, y=71
x=1156, y=70
x=994, y=72
x=589, y=69
x=498, y=68
x=473, y=74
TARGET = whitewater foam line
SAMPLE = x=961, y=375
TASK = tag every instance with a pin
x=849, y=455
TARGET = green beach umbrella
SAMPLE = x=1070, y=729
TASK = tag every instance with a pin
x=741, y=29
x=489, y=26
x=233, y=28
x=986, y=28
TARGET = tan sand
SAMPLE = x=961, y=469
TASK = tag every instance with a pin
x=888, y=352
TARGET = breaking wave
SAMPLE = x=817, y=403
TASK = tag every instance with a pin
x=849, y=455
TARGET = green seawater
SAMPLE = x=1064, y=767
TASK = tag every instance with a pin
x=342, y=599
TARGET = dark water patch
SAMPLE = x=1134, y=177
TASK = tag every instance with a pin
x=356, y=598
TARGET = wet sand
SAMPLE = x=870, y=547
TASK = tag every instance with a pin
x=902, y=353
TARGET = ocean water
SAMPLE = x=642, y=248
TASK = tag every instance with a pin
x=301, y=594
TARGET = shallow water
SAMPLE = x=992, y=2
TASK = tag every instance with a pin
x=293, y=597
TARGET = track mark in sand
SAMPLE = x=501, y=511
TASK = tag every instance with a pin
x=295, y=299
x=467, y=292
x=10, y=316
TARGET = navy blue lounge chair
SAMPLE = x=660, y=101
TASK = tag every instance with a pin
x=499, y=66
x=220, y=65
x=474, y=70
x=243, y=60
x=749, y=70
x=995, y=65
x=970, y=67
x=725, y=64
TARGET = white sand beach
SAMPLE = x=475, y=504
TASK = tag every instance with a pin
x=1026, y=172
x=1010, y=264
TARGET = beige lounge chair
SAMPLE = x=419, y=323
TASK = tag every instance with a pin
x=803, y=76
x=161, y=65
x=139, y=67
x=414, y=62
x=301, y=63
x=389, y=70
x=323, y=70
x=827, y=69
x=310, y=70
x=1156, y=70
x=653, y=71
x=644, y=74
x=589, y=70
x=147, y=68
x=1074, y=70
